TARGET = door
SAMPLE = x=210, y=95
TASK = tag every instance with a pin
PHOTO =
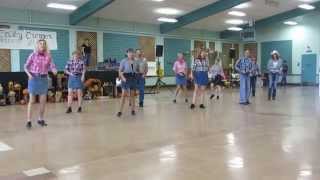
x=92, y=37
x=5, y=60
x=309, y=69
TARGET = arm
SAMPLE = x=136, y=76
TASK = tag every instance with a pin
x=146, y=69
x=67, y=69
x=83, y=73
x=237, y=66
x=52, y=67
x=27, y=65
x=121, y=69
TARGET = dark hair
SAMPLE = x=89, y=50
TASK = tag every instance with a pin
x=277, y=56
x=130, y=50
x=86, y=39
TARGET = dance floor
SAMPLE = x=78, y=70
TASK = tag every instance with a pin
x=267, y=140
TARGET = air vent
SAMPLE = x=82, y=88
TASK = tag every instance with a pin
x=272, y=3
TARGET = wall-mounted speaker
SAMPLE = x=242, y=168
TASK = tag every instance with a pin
x=232, y=53
x=159, y=50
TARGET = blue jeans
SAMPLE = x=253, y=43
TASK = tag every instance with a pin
x=87, y=58
x=273, y=80
x=244, y=88
x=141, y=84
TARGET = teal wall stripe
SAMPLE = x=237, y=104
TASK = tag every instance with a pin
x=115, y=45
x=283, y=47
x=86, y=10
x=201, y=13
x=171, y=48
x=59, y=56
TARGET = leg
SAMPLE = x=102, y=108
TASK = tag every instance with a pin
x=141, y=90
x=195, y=94
x=270, y=87
x=176, y=93
x=70, y=99
x=242, y=89
x=79, y=92
x=247, y=89
x=30, y=106
x=202, y=94
x=185, y=91
x=133, y=101
x=43, y=100
x=218, y=91
x=123, y=100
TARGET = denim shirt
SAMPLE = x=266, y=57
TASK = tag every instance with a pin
x=244, y=66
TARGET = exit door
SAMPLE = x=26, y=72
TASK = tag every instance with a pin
x=309, y=69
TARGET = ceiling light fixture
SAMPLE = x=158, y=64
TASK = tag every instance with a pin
x=290, y=23
x=62, y=6
x=168, y=11
x=235, y=21
x=158, y=0
x=235, y=29
x=237, y=13
x=168, y=20
x=243, y=5
x=306, y=7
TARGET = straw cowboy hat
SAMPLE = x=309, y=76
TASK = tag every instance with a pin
x=275, y=52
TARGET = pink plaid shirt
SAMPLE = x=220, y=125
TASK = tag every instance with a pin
x=180, y=67
x=40, y=63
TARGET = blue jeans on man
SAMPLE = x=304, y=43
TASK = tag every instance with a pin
x=141, y=83
x=244, y=88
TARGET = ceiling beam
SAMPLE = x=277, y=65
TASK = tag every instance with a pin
x=273, y=19
x=201, y=13
x=86, y=10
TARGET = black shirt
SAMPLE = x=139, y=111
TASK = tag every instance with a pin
x=87, y=49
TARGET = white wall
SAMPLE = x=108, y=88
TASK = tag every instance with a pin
x=306, y=33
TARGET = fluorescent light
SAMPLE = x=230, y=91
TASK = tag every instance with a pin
x=243, y=5
x=235, y=29
x=306, y=7
x=62, y=6
x=168, y=11
x=290, y=23
x=306, y=1
x=235, y=21
x=237, y=13
x=158, y=0
x=169, y=20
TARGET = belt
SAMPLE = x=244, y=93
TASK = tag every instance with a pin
x=39, y=75
x=129, y=74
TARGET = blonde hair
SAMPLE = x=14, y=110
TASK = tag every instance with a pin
x=76, y=52
x=46, y=48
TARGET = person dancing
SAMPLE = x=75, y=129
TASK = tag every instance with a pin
x=253, y=76
x=274, y=69
x=76, y=69
x=128, y=74
x=217, y=76
x=37, y=66
x=180, y=69
x=142, y=66
x=199, y=74
x=244, y=67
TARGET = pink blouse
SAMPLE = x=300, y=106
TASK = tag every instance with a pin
x=40, y=63
x=180, y=67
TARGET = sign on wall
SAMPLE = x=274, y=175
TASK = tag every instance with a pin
x=26, y=39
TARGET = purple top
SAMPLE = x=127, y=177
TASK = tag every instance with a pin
x=75, y=67
x=40, y=63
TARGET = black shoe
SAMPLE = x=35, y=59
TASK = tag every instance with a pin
x=29, y=125
x=79, y=109
x=273, y=98
x=174, y=101
x=186, y=100
x=141, y=104
x=269, y=98
x=133, y=113
x=218, y=97
x=192, y=106
x=248, y=102
x=212, y=96
x=69, y=110
x=243, y=103
x=202, y=106
x=42, y=123
x=119, y=114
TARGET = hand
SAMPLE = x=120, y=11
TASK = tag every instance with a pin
x=123, y=79
x=55, y=72
x=30, y=77
x=191, y=77
x=82, y=79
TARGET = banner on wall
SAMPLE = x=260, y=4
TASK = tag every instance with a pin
x=26, y=39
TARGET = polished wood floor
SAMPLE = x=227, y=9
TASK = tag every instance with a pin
x=268, y=140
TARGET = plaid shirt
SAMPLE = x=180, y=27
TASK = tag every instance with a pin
x=40, y=63
x=244, y=66
x=255, y=69
x=200, y=65
x=75, y=67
